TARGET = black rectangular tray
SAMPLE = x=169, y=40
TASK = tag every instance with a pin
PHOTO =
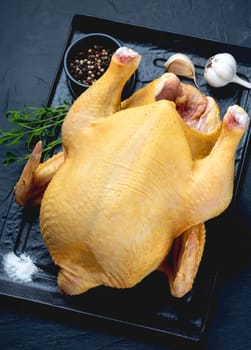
x=148, y=307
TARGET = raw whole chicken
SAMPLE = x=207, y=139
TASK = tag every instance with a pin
x=136, y=180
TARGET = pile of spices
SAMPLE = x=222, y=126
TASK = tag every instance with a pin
x=87, y=66
x=19, y=268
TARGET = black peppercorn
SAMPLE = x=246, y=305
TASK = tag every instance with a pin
x=87, y=66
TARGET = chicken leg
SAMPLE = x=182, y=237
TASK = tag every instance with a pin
x=87, y=108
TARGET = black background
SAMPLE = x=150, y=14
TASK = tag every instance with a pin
x=32, y=37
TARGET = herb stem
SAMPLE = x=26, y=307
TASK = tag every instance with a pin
x=31, y=125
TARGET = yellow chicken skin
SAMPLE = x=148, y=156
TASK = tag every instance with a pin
x=100, y=100
x=36, y=176
x=122, y=205
x=128, y=184
x=202, y=115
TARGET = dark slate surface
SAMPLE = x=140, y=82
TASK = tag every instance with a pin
x=32, y=36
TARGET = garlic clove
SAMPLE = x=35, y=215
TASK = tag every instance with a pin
x=181, y=64
x=220, y=70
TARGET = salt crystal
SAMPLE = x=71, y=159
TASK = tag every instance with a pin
x=19, y=268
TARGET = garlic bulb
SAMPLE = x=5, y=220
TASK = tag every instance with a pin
x=220, y=70
x=182, y=65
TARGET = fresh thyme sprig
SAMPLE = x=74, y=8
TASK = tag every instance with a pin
x=33, y=124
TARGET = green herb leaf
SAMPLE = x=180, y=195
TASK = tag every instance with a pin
x=31, y=125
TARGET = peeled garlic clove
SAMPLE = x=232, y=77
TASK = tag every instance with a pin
x=220, y=70
x=182, y=65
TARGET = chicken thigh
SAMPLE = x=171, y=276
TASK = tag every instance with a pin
x=130, y=182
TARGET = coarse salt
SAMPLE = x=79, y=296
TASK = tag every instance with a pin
x=19, y=268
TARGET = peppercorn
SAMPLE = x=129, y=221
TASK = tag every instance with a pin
x=87, y=66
